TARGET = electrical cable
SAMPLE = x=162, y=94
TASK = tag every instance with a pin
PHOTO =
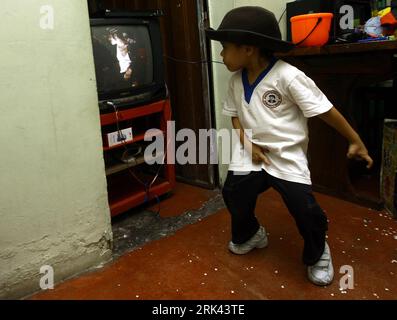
x=210, y=61
x=162, y=163
x=123, y=141
x=282, y=15
x=191, y=61
x=147, y=186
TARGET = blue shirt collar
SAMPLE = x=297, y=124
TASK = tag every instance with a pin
x=248, y=88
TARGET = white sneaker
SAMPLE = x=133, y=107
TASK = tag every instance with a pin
x=259, y=240
x=322, y=273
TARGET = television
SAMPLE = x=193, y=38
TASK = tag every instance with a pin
x=128, y=59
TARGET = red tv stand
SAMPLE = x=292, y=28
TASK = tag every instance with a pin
x=124, y=190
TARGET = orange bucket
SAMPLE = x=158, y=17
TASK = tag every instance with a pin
x=311, y=30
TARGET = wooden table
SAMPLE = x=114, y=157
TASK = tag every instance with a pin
x=339, y=70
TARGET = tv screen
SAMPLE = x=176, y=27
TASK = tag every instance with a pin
x=123, y=57
x=128, y=58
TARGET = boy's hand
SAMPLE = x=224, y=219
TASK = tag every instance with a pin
x=358, y=151
x=258, y=154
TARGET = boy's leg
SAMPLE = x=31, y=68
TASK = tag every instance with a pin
x=309, y=217
x=240, y=193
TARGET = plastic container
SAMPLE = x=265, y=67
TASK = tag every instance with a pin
x=311, y=30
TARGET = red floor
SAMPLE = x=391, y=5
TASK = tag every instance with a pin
x=195, y=263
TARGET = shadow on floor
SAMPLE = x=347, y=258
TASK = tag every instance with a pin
x=138, y=227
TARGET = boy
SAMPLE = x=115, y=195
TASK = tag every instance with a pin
x=269, y=102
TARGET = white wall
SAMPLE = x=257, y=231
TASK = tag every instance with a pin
x=53, y=198
x=217, y=10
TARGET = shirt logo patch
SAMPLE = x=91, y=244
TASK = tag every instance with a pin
x=272, y=99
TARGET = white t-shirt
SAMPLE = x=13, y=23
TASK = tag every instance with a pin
x=277, y=118
x=122, y=54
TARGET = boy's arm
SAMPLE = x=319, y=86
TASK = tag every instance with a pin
x=357, y=149
x=258, y=154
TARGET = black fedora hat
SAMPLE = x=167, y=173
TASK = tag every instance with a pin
x=251, y=26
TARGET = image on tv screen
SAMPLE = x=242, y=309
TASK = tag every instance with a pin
x=123, y=57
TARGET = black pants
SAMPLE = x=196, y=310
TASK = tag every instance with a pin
x=240, y=193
